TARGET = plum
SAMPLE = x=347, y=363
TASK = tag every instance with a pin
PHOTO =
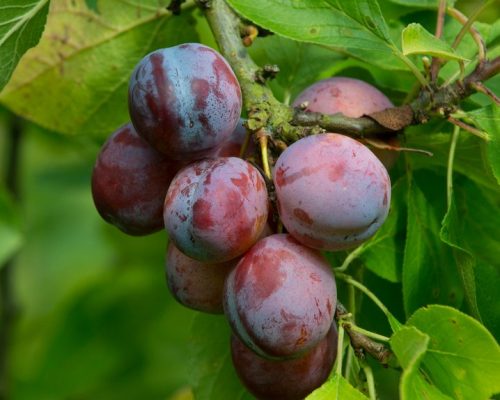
x=184, y=100
x=129, y=182
x=281, y=297
x=351, y=97
x=333, y=193
x=216, y=208
x=285, y=379
x=195, y=284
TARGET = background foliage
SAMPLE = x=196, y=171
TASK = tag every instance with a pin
x=94, y=316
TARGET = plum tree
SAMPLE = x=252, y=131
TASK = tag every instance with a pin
x=281, y=297
x=351, y=97
x=184, y=100
x=333, y=193
x=215, y=209
x=129, y=182
x=196, y=284
x=285, y=379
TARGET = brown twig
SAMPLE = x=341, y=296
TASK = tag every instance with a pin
x=361, y=343
x=467, y=27
x=479, y=87
x=436, y=62
x=468, y=128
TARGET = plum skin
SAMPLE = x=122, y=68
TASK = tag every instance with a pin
x=215, y=209
x=280, y=299
x=353, y=98
x=285, y=379
x=129, y=182
x=184, y=100
x=195, y=284
x=333, y=192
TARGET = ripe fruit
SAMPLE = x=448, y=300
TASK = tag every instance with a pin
x=285, y=379
x=215, y=209
x=348, y=96
x=333, y=192
x=351, y=97
x=195, y=284
x=184, y=100
x=281, y=297
x=129, y=182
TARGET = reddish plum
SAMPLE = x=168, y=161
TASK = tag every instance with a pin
x=130, y=181
x=184, y=100
x=351, y=97
x=215, y=209
x=281, y=297
x=285, y=379
x=195, y=284
x=333, y=192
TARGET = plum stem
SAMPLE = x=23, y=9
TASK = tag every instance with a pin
x=370, y=381
x=365, y=332
x=467, y=27
x=263, y=140
x=451, y=158
x=340, y=350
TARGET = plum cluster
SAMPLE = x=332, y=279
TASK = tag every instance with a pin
x=177, y=165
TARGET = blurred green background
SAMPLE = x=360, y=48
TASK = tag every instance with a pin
x=94, y=317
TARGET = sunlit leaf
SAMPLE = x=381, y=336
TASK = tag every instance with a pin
x=356, y=28
x=336, y=388
x=417, y=40
x=21, y=24
x=75, y=81
x=463, y=358
x=409, y=346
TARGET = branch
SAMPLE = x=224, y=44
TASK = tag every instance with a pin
x=436, y=62
x=362, y=343
x=287, y=125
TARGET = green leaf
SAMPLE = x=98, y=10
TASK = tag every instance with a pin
x=83, y=63
x=409, y=346
x=488, y=119
x=383, y=254
x=463, y=358
x=92, y=5
x=336, y=388
x=21, y=25
x=213, y=375
x=471, y=157
x=417, y=40
x=356, y=28
x=487, y=278
x=11, y=237
x=428, y=4
x=452, y=235
x=428, y=272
